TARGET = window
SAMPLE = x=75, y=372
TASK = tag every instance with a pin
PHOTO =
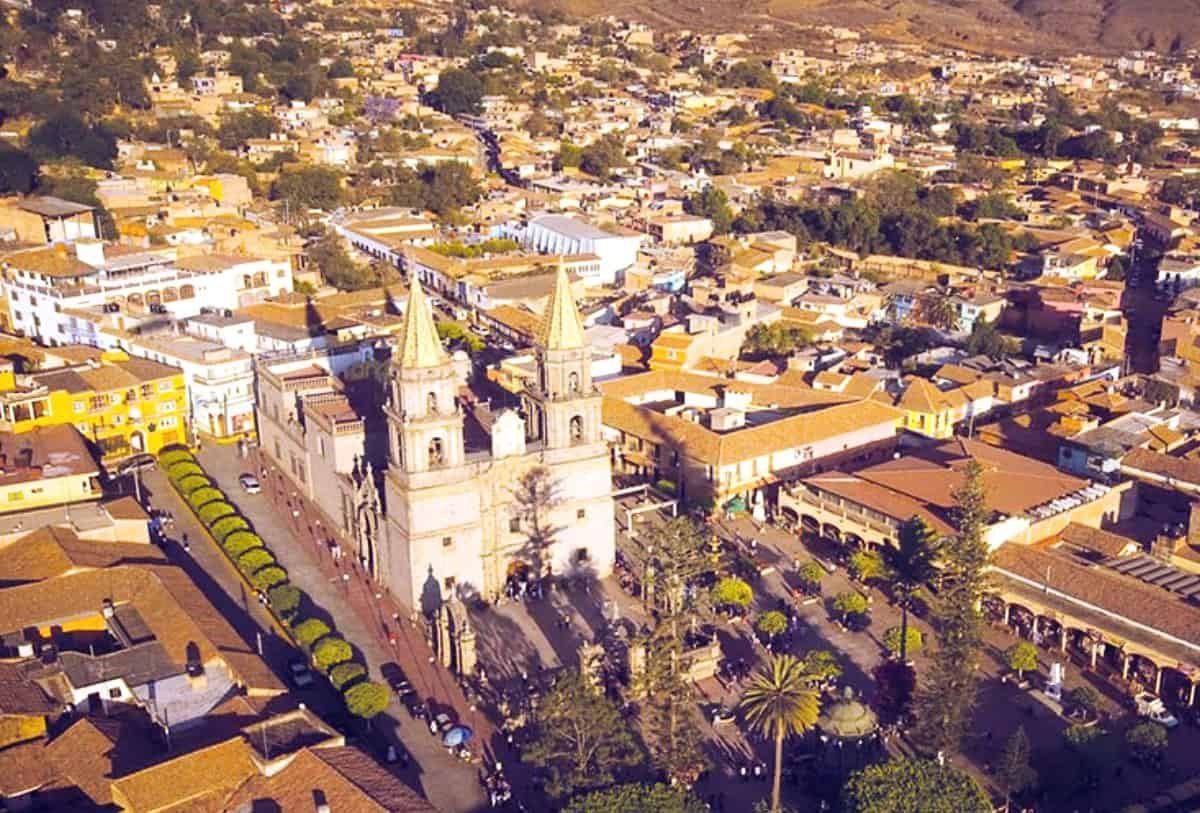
x=80, y=406
x=166, y=406
x=117, y=420
x=114, y=397
x=320, y=446
x=576, y=429
x=447, y=541
x=573, y=382
x=581, y=513
x=431, y=402
x=514, y=525
x=98, y=402
x=167, y=422
x=164, y=386
x=147, y=390
x=437, y=454
x=115, y=693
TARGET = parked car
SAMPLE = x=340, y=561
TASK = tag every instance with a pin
x=1151, y=707
x=299, y=672
x=139, y=462
x=250, y=483
x=396, y=679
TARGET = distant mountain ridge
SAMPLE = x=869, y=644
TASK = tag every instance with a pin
x=1024, y=26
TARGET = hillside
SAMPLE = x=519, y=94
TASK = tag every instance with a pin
x=1026, y=26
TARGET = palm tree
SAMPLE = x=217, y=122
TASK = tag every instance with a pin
x=912, y=564
x=938, y=310
x=781, y=700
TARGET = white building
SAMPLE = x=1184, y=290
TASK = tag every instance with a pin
x=51, y=289
x=559, y=234
x=220, y=380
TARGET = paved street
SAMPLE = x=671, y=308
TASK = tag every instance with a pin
x=521, y=637
x=353, y=608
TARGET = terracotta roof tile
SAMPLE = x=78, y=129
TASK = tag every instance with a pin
x=199, y=779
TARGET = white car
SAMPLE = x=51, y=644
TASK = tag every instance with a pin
x=250, y=484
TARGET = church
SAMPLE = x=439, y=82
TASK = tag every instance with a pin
x=534, y=498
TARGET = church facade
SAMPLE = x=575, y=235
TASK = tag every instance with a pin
x=538, y=502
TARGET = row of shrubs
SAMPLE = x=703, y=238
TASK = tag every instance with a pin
x=329, y=652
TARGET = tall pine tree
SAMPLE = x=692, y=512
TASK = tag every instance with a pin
x=946, y=698
x=672, y=730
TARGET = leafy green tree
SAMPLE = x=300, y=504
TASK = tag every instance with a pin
x=285, y=600
x=254, y=560
x=993, y=246
x=947, y=698
x=226, y=526
x=778, y=702
x=455, y=334
x=1147, y=742
x=895, y=681
x=330, y=651
x=850, y=603
x=239, y=542
x=822, y=666
x=671, y=726
x=775, y=340
x=1013, y=771
x=341, y=68
x=346, y=673
x=810, y=575
x=1092, y=749
x=238, y=128
x=676, y=556
x=638, y=798
x=268, y=577
x=203, y=496
x=366, y=699
x=771, y=623
x=449, y=186
x=337, y=269
x=66, y=135
x=1021, y=657
x=602, y=156
x=911, y=565
x=906, y=785
x=986, y=340
x=579, y=738
x=865, y=565
x=213, y=511
x=308, y=187
x=569, y=155
x=18, y=171
x=458, y=91
x=1083, y=700
x=711, y=202
x=732, y=591
x=309, y=631
x=910, y=644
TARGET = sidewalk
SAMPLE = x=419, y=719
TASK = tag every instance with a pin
x=302, y=544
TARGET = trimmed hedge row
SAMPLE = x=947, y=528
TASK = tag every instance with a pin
x=330, y=653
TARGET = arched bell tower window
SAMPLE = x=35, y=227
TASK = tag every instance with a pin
x=576, y=429
x=437, y=453
x=432, y=402
x=573, y=382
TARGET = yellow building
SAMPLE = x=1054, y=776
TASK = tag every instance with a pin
x=926, y=410
x=45, y=467
x=123, y=405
